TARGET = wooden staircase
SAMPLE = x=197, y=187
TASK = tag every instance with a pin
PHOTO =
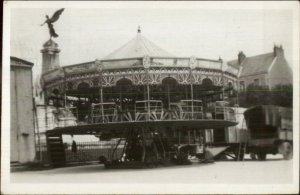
x=56, y=150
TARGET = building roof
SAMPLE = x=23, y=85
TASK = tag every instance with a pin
x=255, y=64
x=138, y=47
x=14, y=61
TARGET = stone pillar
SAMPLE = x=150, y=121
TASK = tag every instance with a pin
x=50, y=56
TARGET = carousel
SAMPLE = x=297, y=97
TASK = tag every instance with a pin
x=160, y=107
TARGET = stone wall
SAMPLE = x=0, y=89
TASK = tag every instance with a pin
x=22, y=120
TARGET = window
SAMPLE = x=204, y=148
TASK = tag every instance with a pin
x=256, y=81
x=175, y=61
x=230, y=87
x=242, y=85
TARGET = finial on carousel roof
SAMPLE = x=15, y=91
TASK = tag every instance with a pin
x=193, y=62
x=146, y=61
x=139, y=29
x=220, y=59
x=99, y=65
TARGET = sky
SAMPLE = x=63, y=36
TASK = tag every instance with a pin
x=94, y=32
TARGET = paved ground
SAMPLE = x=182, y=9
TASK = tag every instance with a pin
x=271, y=171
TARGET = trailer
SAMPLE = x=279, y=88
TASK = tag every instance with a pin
x=270, y=131
x=261, y=130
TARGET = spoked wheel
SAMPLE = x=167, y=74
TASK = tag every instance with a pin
x=286, y=149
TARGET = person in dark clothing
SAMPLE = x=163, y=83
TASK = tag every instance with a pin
x=74, y=146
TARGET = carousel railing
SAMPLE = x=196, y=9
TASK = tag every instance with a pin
x=223, y=111
x=146, y=110
x=153, y=110
x=187, y=110
x=104, y=112
x=191, y=109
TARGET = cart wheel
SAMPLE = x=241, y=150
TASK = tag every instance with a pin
x=261, y=155
x=286, y=149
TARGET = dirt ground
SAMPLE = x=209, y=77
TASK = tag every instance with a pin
x=274, y=170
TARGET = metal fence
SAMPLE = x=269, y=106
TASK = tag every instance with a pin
x=42, y=153
x=86, y=152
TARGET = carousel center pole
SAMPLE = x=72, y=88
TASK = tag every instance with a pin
x=148, y=93
x=101, y=100
x=192, y=91
x=220, y=59
x=169, y=101
x=146, y=64
x=100, y=68
x=65, y=89
x=192, y=65
x=144, y=144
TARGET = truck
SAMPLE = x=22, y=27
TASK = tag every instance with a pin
x=230, y=141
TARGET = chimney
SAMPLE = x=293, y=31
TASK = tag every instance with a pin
x=241, y=57
x=278, y=51
x=50, y=56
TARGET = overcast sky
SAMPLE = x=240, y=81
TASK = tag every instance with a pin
x=86, y=34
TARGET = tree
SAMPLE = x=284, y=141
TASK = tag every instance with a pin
x=280, y=95
x=257, y=95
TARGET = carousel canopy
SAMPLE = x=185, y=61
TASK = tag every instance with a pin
x=130, y=62
x=138, y=47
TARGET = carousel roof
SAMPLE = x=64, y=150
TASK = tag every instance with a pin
x=132, y=57
x=138, y=47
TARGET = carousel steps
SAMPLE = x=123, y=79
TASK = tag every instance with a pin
x=56, y=150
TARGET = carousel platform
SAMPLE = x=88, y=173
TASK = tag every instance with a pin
x=126, y=125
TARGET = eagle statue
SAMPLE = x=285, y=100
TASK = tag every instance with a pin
x=51, y=20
